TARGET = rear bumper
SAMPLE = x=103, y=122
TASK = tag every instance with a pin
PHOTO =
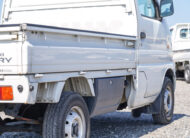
x=27, y=95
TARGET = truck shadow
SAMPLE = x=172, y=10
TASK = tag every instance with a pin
x=111, y=125
x=123, y=125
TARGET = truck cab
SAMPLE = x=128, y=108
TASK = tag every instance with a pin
x=67, y=61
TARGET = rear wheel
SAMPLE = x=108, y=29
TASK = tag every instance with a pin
x=136, y=113
x=187, y=73
x=67, y=119
x=167, y=103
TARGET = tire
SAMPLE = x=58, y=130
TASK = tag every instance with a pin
x=187, y=73
x=167, y=103
x=136, y=113
x=68, y=118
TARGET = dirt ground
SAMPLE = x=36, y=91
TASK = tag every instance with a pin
x=122, y=125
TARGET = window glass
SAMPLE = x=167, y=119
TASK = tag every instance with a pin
x=147, y=8
x=185, y=33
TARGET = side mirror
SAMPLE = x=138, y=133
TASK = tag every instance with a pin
x=166, y=8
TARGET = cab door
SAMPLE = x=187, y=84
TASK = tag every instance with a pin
x=153, y=50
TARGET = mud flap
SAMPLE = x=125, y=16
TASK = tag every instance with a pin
x=156, y=106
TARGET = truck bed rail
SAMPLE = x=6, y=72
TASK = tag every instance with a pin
x=53, y=29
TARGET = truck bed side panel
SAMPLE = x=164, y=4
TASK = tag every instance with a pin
x=65, y=53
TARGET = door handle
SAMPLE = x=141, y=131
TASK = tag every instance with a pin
x=143, y=35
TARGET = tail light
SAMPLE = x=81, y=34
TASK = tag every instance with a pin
x=6, y=93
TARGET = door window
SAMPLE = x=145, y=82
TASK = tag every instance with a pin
x=147, y=8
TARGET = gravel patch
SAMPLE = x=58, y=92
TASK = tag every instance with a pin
x=20, y=135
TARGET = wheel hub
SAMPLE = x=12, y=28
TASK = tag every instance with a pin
x=168, y=101
x=187, y=74
x=75, y=129
x=75, y=124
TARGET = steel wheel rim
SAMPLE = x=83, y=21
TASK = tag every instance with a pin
x=187, y=72
x=75, y=124
x=168, y=101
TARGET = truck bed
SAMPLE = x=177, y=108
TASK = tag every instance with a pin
x=181, y=55
x=31, y=49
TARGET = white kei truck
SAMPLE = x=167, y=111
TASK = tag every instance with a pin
x=65, y=61
x=180, y=34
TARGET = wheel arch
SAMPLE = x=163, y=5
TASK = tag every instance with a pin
x=51, y=92
x=80, y=85
x=171, y=75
